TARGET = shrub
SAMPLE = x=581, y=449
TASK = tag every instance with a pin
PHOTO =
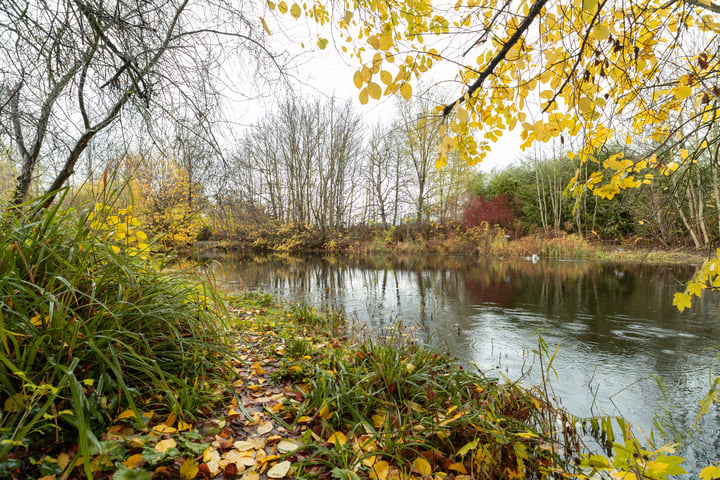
x=499, y=210
x=88, y=324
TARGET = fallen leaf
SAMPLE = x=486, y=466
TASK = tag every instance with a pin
x=132, y=461
x=251, y=475
x=324, y=412
x=63, y=460
x=422, y=466
x=162, y=428
x=189, y=469
x=265, y=427
x=211, y=457
x=164, y=445
x=279, y=470
x=243, y=445
x=237, y=458
x=458, y=467
x=126, y=414
x=286, y=446
x=380, y=470
x=171, y=419
x=337, y=438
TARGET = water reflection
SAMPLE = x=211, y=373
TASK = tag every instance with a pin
x=615, y=323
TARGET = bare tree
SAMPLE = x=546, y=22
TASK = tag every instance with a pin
x=70, y=69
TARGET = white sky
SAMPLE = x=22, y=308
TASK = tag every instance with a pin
x=329, y=72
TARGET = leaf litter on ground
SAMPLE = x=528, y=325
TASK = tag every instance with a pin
x=279, y=418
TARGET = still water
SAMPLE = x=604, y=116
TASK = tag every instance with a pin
x=617, y=329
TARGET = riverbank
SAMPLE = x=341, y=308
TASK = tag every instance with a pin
x=301, y=400
x=445, y=240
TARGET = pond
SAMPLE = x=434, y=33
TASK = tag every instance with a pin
x=617, y=331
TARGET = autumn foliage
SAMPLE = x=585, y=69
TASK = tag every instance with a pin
x=499, y=210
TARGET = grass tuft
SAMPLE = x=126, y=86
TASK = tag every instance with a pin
x=88, y=325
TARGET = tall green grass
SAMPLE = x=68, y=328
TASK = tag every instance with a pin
x=88, y=327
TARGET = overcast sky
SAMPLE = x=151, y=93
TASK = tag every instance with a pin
x=329, y=72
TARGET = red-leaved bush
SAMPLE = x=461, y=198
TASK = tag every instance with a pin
x=495, y=211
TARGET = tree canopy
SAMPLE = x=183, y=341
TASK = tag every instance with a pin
x=644, y=73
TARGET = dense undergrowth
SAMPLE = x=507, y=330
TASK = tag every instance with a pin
x=89, y=324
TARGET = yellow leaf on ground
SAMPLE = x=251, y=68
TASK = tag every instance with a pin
x=126, y=414
x=170, y=420
x=378, y=420
x=458, y=467
x=422, y=466
x=337, y=437
x=211, y=457
x=251, y=475
x=286, y=446
x=243, y=445
x=133, y=460
x=265, y=427
x=63, y=460
x=164, y=445
x=240, y=459
x=162, y=428
x=324, y=412
x=189, y=469
x=279, y=470
x=380, y=470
